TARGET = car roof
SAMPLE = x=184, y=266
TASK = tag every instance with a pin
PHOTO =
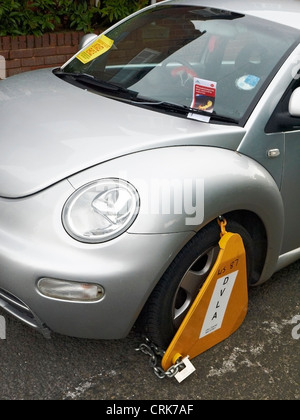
x=286, y=12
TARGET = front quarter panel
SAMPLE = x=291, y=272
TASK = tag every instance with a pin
x=34, y=243
x=221, y=181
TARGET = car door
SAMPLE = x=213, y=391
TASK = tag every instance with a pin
x=287, y=126
x=291, y=191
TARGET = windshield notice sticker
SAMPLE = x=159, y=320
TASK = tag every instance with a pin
x=97, y=48
x=247, y=82
x=204, y=97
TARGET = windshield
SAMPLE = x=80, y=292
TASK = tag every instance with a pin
x=208, y=59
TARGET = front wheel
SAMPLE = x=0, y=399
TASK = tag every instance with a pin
x=181, y=283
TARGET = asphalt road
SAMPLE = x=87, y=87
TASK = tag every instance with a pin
x=261, y=361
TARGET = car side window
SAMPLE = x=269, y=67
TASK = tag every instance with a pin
x=281, y=120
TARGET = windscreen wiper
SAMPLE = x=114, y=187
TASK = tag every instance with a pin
x=133, y=97
x=186, y=110
x=89, y=80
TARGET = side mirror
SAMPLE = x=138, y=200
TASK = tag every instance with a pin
x=87, y=39
x=286, y=119
x=294, y=104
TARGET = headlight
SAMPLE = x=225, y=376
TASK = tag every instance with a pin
x=101, y=210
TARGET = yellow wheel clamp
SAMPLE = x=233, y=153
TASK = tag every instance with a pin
x=218, y=310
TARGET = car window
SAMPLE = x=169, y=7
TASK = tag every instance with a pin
x=166, y=53
x=281, y=120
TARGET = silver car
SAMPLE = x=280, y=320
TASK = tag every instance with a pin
x=115, y=168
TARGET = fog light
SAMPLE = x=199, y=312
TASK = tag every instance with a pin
x=69, y=290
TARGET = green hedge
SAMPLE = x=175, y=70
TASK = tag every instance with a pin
x=36, y=17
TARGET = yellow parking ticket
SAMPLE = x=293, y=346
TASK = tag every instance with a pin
x=97, y=48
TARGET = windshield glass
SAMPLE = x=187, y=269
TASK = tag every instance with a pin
x=204, y=58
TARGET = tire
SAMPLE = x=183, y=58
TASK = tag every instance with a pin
x=179, y=286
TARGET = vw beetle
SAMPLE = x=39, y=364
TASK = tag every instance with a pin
x=115, y=167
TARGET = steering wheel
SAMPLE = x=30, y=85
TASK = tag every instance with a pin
x=181, y=70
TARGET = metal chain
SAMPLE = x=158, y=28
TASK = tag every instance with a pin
x=155, y=353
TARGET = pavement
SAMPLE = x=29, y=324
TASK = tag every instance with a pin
x=260, y=361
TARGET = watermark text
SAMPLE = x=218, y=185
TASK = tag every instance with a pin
x=296, y=329
x=2, y=328
x=2, y=67
x=171, y=197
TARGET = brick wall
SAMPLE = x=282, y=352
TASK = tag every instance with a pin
x=25, y=53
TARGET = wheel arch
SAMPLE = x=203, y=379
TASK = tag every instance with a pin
x=256, y=229
x=233, y=185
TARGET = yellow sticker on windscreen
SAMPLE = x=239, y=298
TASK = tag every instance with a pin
x=97, y=48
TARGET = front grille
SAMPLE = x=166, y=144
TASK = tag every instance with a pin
x=14, y=306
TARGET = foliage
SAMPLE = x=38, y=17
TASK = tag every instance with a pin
x=35, y=17
x=18, y=19
x=119, y=9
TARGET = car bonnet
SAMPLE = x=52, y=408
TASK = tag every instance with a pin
x=51, y=130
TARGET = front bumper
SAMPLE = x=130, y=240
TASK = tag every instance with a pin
x=34, y=244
